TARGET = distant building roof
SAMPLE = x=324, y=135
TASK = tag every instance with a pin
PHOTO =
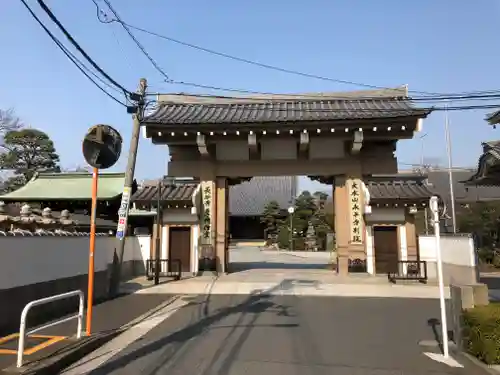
x=401, y=187
x=249, y=198
x=67, y=186
x=171, y=191
x=488, y=170
x=439, y=180
x=493, y=118
x=194, y=109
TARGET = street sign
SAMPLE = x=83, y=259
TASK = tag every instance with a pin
x=102, y=146
x=123, y=213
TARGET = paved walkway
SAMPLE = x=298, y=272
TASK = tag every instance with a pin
x=251, y=257
x=272, y=334
x=108, y=316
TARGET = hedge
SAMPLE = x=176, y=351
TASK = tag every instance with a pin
x=482, y=333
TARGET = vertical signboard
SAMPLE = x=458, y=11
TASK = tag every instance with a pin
x=123, y=214
x=355, y=198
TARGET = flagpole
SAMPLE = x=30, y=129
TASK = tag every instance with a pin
x=450, y=166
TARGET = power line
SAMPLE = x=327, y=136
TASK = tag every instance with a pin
x=139, y=45
x=266, y=66
x=79, y=48
x=277, y=68
x=72, y=57
x=476, y=95
x=328, y=96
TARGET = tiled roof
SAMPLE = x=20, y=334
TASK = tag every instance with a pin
x=67, y=186
x=249, y=198
x=182, y=192
x=439, y=180
x=488, y=170
x=401, y=187
x=185, y=109
x=493, y=118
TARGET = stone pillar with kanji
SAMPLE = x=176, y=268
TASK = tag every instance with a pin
x=349, y=224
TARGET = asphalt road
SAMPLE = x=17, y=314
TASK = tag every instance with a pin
x=292, y=335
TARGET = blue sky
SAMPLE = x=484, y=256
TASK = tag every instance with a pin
x=437, y=46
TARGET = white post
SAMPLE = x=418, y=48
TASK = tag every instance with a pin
x=42, y=301
x=80, y=316
x=22, y=335
x=450, y=166
x=291, y=210
x=444, y=326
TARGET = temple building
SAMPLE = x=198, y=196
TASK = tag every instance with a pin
x=389, y=234
x=64, y=194
x=342, y=139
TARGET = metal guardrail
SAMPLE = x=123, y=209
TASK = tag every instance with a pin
x=42, y=301
x=409, y=270
x=168, y=268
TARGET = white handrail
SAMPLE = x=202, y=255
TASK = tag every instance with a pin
x=42, y=301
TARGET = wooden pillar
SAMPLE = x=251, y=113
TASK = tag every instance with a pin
x=221, y=223
x=341, y=212
x=226, y=245
x=152, y=250
x=411, y=237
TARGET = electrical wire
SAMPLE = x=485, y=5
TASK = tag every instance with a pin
x=79, y=48
x=139, y=45
x=83, y=69
x=284, y=70
x=328, y=96
x=264, y=65
x=475, y=95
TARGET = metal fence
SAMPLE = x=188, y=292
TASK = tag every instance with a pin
x=168, y=268
x=409, y=270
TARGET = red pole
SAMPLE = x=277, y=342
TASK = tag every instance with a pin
x=90, y=290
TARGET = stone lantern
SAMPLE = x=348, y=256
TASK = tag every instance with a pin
x=46, y=221
x=311, y=240
x=65, y=221
x=25, y=220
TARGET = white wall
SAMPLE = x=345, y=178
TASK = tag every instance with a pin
x=457, y=250
x=30, y=260
x=458, y=255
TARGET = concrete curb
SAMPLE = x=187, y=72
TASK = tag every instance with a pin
x=78, y=349
x=490, y=369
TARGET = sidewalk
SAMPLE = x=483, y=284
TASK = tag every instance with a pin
x=108, y=318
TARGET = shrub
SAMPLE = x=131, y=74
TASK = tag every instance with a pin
x=496, y=261
x=482, y=333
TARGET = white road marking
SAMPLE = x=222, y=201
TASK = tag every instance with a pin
x=100, y=356
x=438, y=357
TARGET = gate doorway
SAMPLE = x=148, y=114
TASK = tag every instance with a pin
x=385, y=242
x=180, y=247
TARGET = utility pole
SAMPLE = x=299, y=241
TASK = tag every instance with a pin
x=137, y=116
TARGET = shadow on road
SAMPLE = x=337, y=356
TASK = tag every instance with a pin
x=256, y=304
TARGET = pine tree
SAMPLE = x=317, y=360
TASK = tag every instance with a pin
x=271, y=218
x=27, y=151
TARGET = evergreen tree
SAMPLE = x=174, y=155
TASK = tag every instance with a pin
x=271, y=217
x=27, y=151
